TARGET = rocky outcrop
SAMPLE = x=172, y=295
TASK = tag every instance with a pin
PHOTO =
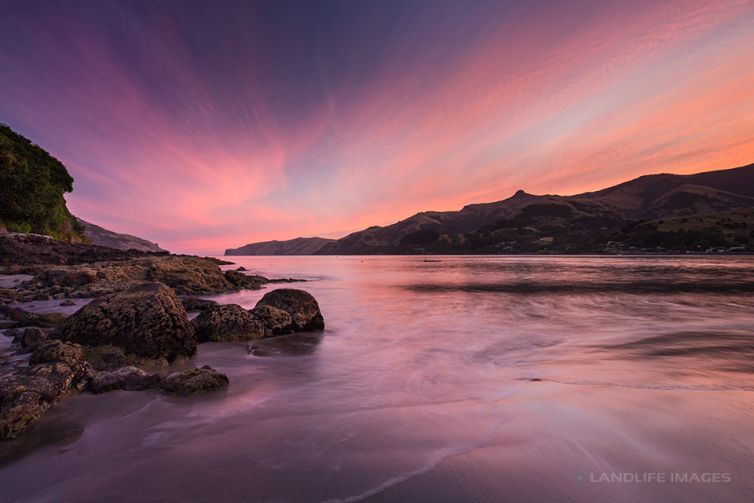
x=147, y=320
x=55, y=369
x=187, y=275
x=195, y=380
x=300, y=305
x=23, y=318
x=245, y=281
x=27, y=249
x=229, y=323
x=58, y=351
x=126, y=378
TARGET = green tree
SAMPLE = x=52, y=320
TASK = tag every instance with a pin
x=32, y=184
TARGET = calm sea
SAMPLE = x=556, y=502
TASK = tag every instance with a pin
x=444, y=379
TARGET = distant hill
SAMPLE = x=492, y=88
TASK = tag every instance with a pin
x=100, y=236
x=297, y=246
x=582, y=223
x=32, y=184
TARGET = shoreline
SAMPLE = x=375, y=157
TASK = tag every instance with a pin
x=96, y=320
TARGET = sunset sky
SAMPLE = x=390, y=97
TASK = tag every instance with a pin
x=206, y=125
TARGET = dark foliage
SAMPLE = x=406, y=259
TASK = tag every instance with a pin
x=32, y=184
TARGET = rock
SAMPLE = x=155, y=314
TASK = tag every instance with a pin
x=300, y=305
x=32, y=337
x=54, y=351
x=106, y=357
x=18, y=249
x=277, y=321
x=147, y=320
x=60, y=378
x=17, y=414
x=125, y=378
x=67, y=302
x=244, y=281
x=56, y=369
x=229, y=323
x=240, y=269
x=187, y=275
x=194, y=381
x=29, y=319
x=196, y=304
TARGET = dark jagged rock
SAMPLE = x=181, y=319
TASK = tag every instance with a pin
x=147, y=320
x=230, y=323
x=195, y=380
x=125, y=378
x=300, y=305
x=245, y=281
x=196, y=304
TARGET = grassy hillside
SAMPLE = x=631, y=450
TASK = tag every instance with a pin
x=32, y=184
x=582, y=223
x=729, y=229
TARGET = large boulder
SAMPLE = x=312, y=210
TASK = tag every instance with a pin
x=193, y=381
x=230, y=323
x=300, y=305
x=147, y=320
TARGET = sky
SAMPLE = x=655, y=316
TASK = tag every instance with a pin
x=204, y=125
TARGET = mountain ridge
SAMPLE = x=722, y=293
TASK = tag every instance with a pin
x=588, y=222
